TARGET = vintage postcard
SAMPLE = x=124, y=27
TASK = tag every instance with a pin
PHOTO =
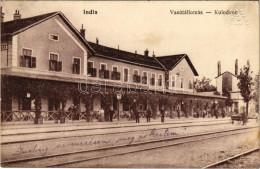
x=140, y=84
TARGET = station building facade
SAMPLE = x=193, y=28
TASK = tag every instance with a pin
x=45, y=58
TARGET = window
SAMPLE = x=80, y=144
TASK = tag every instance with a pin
x=90, y=65
x=76, y=66
x=136, y=77
x=103, y=66
x=54, y=37
x=152, y=82
x=27, y=60
x=54, y=63
x=126, y=74
x=182, y=82
x=114, y=69
x=103, y=73
x=115, y=74
x=173, y=81
x=136, y=72
x=144, y=78
x=160, y=80
x=91, y=70
x=190, y=84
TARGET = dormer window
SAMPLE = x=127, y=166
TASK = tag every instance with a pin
x=27, y=60
x=54, y=37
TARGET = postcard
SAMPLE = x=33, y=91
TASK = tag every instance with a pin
x=130, y=84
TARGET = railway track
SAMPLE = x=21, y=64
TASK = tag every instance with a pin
x=64, y=159
x=35, y=139
x=227, y=160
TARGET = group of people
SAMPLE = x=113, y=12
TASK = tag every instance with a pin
x=74, y=111
x=210, y=113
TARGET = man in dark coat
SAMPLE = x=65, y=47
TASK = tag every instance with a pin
x=136, y=115
x=162, y=114
x=135, y=111
x=178, y=112
x=111, y=114
x=148, y=115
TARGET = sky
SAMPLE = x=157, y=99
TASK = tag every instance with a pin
x=206, y=38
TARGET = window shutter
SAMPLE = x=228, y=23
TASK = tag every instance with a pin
x=94, y=72
x=78, y=65
x=33, y=62
x=74, y=68
x=107, y=74
x=59, y=67
x=22, y=61
x=50, y=64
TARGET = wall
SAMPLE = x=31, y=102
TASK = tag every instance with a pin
x=4, y=55
x=131, y=67
x=187, y=74
x=37, y=39
x=219, y=84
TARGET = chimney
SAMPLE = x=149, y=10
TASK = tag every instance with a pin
x=219, y=68
x=17, y=15
x=2, y=15
x=97, y=41
x=236, y=67
x=136, y=52
x=146, y=52
x=118, y=47
x=82, y=31
x=153, y=54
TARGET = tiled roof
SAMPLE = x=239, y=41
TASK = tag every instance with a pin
x=116, y=54
x=161, y=63
x=16, y=25
x=171, y=61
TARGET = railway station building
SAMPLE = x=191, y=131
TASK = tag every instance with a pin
x=47, y=64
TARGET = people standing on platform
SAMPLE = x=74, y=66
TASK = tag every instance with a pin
x=111, y=114
x=135, y=111
x=77, y=111
x=216, y=113
x=136, y=115
x=101, y=115
x=204, y=113
x=178, y=112
x=162, y=114
x=148, y=114
x=223, y=113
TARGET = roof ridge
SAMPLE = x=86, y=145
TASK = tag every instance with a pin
x=171, y=55
x=120, y=50
x=31, y=17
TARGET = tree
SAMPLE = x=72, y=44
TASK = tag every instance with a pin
x=256, y=92
x=229, y=101
x=245, y=84
x=204, y=85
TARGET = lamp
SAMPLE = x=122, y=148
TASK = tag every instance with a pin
x=118, y=96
